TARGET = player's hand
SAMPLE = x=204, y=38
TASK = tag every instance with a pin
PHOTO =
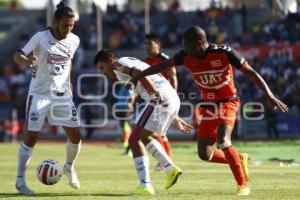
x=277, y=104
x=130, y=105
x=183, y=126
x=31, y=60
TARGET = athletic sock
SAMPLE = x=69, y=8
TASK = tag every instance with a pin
x=23, y=161
x=234, y=161
x=161, y=156
x=142, y=168
x=72, y=153
x=218, y=156
x=167, y=146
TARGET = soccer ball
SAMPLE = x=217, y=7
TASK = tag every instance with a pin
x=49, y=172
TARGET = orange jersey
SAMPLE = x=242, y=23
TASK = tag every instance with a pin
x=161, y=57
x=213, y=73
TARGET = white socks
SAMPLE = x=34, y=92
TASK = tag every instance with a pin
x=23, y=161
x=159, y=153
x=72, y=153
x=142, y=169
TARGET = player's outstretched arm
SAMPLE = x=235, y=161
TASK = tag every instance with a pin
x=253, y=75
x=23, y=60
x=151, y=70
x=183, y=126
x=173, y=78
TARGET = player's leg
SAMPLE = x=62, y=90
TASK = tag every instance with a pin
x=160, y=139
x=167, y=145
x=36, y=108
x=207, y=152
x=232, y=157
x=158, y=122
x=141, y=162
x=207, y=137
x=224, y=131
x=126, y=130
x=73, y=147
x=64, y=113
x=24, y=156
x=157, y=151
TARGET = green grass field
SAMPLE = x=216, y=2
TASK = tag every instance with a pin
x=106, y=174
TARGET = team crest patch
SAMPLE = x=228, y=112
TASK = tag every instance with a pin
x=216, y=63
x=34, y=116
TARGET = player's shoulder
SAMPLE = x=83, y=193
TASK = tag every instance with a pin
x=127, y=61
x=219, y=48
x=74, y=38
x=41, y=32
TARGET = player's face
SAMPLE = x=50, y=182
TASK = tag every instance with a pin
x=193, y=48
x=64, y=26
x=152, y=47
x=107, y=70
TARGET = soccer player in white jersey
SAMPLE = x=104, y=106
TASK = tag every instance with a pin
x=49, y=53
x=162, y=107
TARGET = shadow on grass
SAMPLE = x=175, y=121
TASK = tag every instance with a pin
x=12, y=195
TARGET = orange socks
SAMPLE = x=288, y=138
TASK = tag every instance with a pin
x=167, y=146
x=218, y=157
x=164, y=143
x=234, y=161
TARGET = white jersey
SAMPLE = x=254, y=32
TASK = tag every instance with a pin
x=160, y=82
x=53, y=67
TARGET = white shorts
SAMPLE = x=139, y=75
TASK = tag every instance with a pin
x=156, y=118
x=59, y=112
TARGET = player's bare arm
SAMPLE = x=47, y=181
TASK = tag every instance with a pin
x=254, y=76
x=173, y=78
x=152, y=70
x=24, y=60
x=131, y=100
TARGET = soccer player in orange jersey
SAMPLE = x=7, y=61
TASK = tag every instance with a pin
x=212, y=68
x=155, y=56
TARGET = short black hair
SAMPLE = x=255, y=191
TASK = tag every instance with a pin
x=193, y=34
x=103, y=55
x=153, y=36
x=63, y=11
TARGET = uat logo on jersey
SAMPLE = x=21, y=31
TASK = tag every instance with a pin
x=216, y=63
x=57, y=59
x=212, y=79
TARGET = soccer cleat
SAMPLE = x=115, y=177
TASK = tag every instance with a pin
x=24, y=189
x=72, y=176
x=243, y=190
x=245, y=158
x=172, y=177
x=158, y=167
x=140, y=190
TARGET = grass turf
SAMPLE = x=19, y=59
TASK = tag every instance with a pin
x=106, y=174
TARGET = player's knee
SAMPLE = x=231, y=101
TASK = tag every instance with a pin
x=203, y=155
x=146, y=139
x=224, y=144
x=30, y=138
x=75, y=137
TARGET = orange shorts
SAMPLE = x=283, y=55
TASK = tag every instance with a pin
x=210, y=118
